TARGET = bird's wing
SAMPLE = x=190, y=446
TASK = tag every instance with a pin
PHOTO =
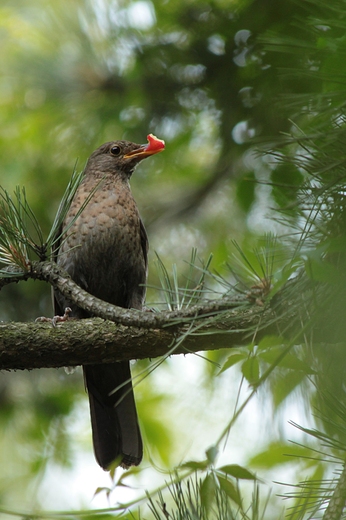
x=144, y=243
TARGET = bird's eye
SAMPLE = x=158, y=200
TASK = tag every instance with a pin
x=115, y=150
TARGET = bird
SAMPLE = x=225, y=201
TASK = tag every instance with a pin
x=104, y=248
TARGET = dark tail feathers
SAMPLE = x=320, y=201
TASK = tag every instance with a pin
x=114, y=422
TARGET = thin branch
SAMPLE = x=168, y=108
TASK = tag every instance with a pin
x=338, y=499
x=50, y=272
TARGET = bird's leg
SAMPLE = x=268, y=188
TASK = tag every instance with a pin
x=56, y=319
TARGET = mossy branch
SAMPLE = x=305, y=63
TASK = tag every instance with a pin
x=59, y=279
x=126, y=333
x=94, y=340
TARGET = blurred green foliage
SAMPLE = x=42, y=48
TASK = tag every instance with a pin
x=222, y=82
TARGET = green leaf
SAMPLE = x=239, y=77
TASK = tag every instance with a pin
x=250, y=370
x=325, y=272
x=237, y=471
x=195, y=465
x=207, y=492
x=246, y=191
x=290, y=360
x=212, y=453
x=231, y=491
x=235, y=356
x=99, y=490
x=281, y=453
x=285, y=384
x=270, y=341
x=286, y=178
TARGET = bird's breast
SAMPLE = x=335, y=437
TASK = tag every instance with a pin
x=103, y=250
x=110, y=215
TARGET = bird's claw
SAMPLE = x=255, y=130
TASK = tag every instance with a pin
x=56, y=319
x=65, y=317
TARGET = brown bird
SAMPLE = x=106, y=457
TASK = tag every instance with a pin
x=105, y=252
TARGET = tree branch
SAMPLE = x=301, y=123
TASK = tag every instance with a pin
x=50, y=272
x=94, y=340
x=338, y=499
x=124, y=334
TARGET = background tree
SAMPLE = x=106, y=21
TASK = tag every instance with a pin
x=216, y=82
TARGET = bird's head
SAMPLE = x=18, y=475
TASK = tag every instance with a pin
x=123, y=156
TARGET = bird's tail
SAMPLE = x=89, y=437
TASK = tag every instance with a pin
x=114, y=422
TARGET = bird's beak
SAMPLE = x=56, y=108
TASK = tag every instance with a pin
x=154, y=145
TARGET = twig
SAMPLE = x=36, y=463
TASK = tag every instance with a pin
x=338, y=500
x=60, y=279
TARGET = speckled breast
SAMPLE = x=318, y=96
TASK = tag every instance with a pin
x=103, y=251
